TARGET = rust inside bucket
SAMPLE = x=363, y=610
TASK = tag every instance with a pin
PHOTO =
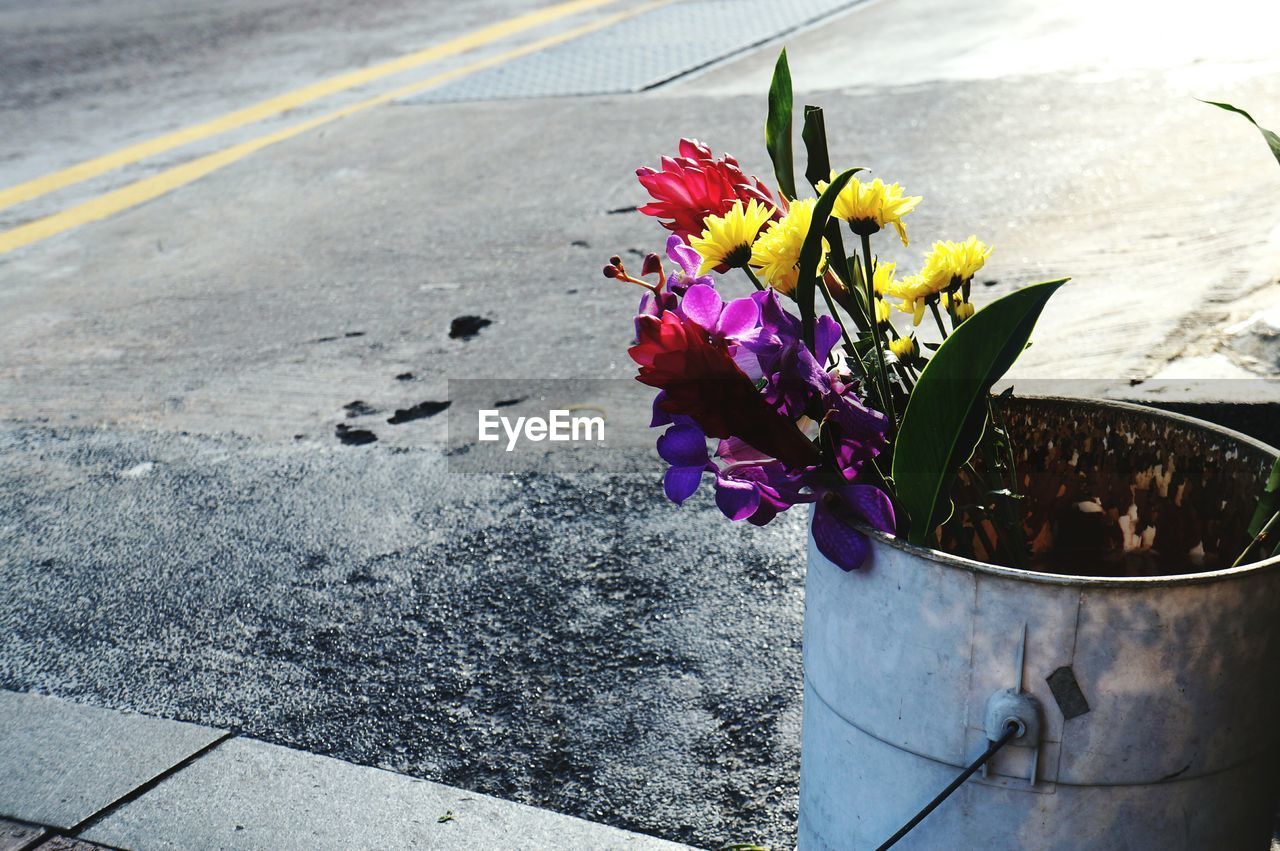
x=1112, y=491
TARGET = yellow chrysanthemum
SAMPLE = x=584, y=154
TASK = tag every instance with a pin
x=777, y=252
x=883, y=281
x=728, y=239
x=903, y=347
x=882, y=311
x=868, y=207
x=912, y=291
x=946, y=268
x=950, y=264
x=955, y=304
x=883, y=278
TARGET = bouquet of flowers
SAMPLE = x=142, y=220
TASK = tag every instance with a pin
x=810, y=392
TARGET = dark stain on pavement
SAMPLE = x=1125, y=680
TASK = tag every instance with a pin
x=507, y=403
x=616, y=211
x=466, y=327
x=417, y=412
x=354, y=436
x=334, y=337
x=359, y=408
x=405, y=376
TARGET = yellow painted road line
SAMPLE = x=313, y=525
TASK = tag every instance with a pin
x=290, y=100
x=144, y=190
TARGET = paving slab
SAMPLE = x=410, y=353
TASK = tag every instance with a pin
x=14, y=835
x=62, y=762
x=66, y=843
x=641, y=52
x=246, y=794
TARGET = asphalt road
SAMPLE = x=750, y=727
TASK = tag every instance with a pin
x=187, y=529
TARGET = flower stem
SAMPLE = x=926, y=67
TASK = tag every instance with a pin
x=869, y=273
x=1007, y=516
x=1263, y=534
x=831, y=306
x=754, y=279
x=849, y=299
x=754, y=462
x=937, y=317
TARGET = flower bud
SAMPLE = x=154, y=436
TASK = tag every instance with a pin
x=652, y=265
x=611, y=271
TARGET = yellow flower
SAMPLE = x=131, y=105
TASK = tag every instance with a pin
x=950, y=264
x=903, y=347
x=882, y=311
x=947, y=267
x=777, y=252
x=868, y=207
x=883, y=278
x=727, y=239
x=912, y=291
x=957, y=306
x=883, y=281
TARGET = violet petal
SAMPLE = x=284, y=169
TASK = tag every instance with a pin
x=702, y=304
x=872, y=505
x=660, y=417
x=826, y=333
x=681, y=482
x=738, y=500
x=682, y=254
x=739, y=317
x=843, y=545
x=683, y=445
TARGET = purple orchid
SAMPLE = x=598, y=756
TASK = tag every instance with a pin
x=670, y=292
x=688, y=260
x=735, y=323
x=765, y=343
x=834, y=534
x=852, y=432
x=794, y=376
x=751, y=486
x=756, y=488
x=684, y=447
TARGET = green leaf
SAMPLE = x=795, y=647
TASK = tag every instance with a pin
x=1268, y=503
x=811, y=253
x=817, y=170
x=777, y=128
x=1273, y=141
x=947, y=410
x=814, y=134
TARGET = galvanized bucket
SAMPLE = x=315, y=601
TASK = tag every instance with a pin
x=1157, y=698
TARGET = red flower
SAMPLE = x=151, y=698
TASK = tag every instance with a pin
x=700, y=380
x=695, y=185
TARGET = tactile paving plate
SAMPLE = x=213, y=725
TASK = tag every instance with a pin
x=641, y=52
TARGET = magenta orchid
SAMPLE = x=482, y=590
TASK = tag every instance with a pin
x=790, y=431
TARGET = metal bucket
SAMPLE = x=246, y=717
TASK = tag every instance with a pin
x=1156, y=697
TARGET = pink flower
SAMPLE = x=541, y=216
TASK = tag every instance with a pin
x=695, y=185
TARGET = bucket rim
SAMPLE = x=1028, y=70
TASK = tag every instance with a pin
x=1019, y=574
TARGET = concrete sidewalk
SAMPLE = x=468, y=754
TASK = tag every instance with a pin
x=75, y=777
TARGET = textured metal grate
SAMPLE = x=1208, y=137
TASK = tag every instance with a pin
x=640, y=52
